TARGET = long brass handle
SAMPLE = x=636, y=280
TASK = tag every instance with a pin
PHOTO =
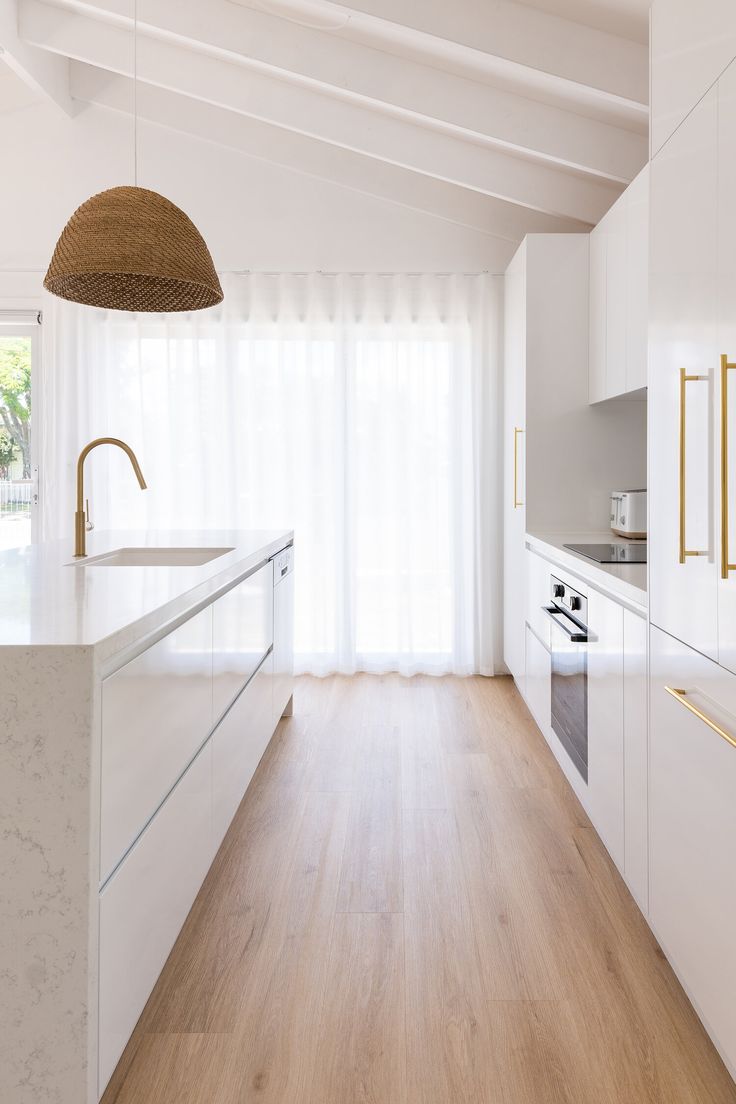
x=726, y=567
x=684, y=380
x=517, y=431
x=681, y=697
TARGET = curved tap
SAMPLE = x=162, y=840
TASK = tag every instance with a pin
x=80, y=517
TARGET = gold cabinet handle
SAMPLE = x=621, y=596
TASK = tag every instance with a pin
x=517, y=431
x=726, y=567
x=681, y=697
x=684, y=380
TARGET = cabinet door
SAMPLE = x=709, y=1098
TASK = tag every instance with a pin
x=682, y=335
x=637, y=281
x=538, y=682
x=691, y=45
x=538, y=576
x=606, y=722
x=514, y=469
x=692, y=784
x=145, y=903
x=238, y=744
x=156, y=714
x=597, y=315
x=616, y=281
x=283, y=645
x=242, y=633
x=726, y=390
x=636, y=759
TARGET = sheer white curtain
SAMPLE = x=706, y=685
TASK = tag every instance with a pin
x=359, y=410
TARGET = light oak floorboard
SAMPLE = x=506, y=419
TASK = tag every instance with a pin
x=411, y=907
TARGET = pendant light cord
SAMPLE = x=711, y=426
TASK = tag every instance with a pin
x=135, y=93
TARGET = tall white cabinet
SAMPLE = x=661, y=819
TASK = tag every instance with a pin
x=691, y=45
x=514, y=446
x=548, y=422
x=692, y=503
x=693, y=397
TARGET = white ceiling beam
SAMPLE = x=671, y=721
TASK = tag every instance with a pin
x=313, y=158
x=501, y=30
x=46, y=75
x=444, y=101
x=306, y=111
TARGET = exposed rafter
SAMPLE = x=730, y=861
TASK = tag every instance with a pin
x=318, y=159
x=488, y=104
x=444, y=101
x=499, y=38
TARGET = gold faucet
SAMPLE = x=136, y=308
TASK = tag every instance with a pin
x=81, y=516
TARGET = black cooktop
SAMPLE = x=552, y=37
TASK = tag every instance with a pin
x=612, y=553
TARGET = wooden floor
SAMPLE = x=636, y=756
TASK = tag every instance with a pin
x=412, y=908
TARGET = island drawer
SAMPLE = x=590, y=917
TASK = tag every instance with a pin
x=242, y=635
x=156, y=714
x=143, y=906
x=238, y=744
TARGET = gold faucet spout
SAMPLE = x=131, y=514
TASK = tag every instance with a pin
x=80, y=517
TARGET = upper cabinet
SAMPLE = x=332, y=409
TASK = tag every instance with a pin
x=692, y=44
x=619, y=278
x=692, y=479
x=683, y=354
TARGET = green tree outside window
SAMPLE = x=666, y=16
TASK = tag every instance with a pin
x=15, y=397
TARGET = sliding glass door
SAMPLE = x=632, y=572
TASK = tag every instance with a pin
x=19, y=352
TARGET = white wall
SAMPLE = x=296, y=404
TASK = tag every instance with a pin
x=253, y=214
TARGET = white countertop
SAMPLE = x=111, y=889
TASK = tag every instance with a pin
x=47, y=601
x=625, y=582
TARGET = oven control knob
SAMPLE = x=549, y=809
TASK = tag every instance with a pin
x=575, y=603
x=558, y=591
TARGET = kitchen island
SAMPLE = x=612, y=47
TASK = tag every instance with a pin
x=137, y=695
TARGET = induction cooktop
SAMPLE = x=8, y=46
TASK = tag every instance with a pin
x=612, y=553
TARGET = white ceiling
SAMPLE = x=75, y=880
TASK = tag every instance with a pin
x=528, y=116
x=14, y=92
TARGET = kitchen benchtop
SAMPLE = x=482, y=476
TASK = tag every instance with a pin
x=47, y=599
x=626, y=583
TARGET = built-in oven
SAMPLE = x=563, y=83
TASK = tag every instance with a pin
x=568, y=612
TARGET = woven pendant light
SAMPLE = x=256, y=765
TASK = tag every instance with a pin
x=131, y=249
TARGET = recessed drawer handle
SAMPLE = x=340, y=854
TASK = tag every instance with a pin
x=681, y=695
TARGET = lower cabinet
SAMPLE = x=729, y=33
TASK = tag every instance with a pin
x=636, y=760
x=238, y=744
x=156, y=714
x=692, y=824
x=242, y=633
x=538, y=681
x=606, y=722
x=145, y=903
x=283, y=632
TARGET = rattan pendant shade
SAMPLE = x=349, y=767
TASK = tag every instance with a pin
x=132, y=249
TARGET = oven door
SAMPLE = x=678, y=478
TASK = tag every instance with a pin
x=569, y=683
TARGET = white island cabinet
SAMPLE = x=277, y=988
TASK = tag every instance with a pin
x=693, y=828
x=143, y=707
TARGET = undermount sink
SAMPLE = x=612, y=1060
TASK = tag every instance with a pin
x=152, y=557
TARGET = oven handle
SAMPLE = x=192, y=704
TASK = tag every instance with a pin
x=576, y=634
